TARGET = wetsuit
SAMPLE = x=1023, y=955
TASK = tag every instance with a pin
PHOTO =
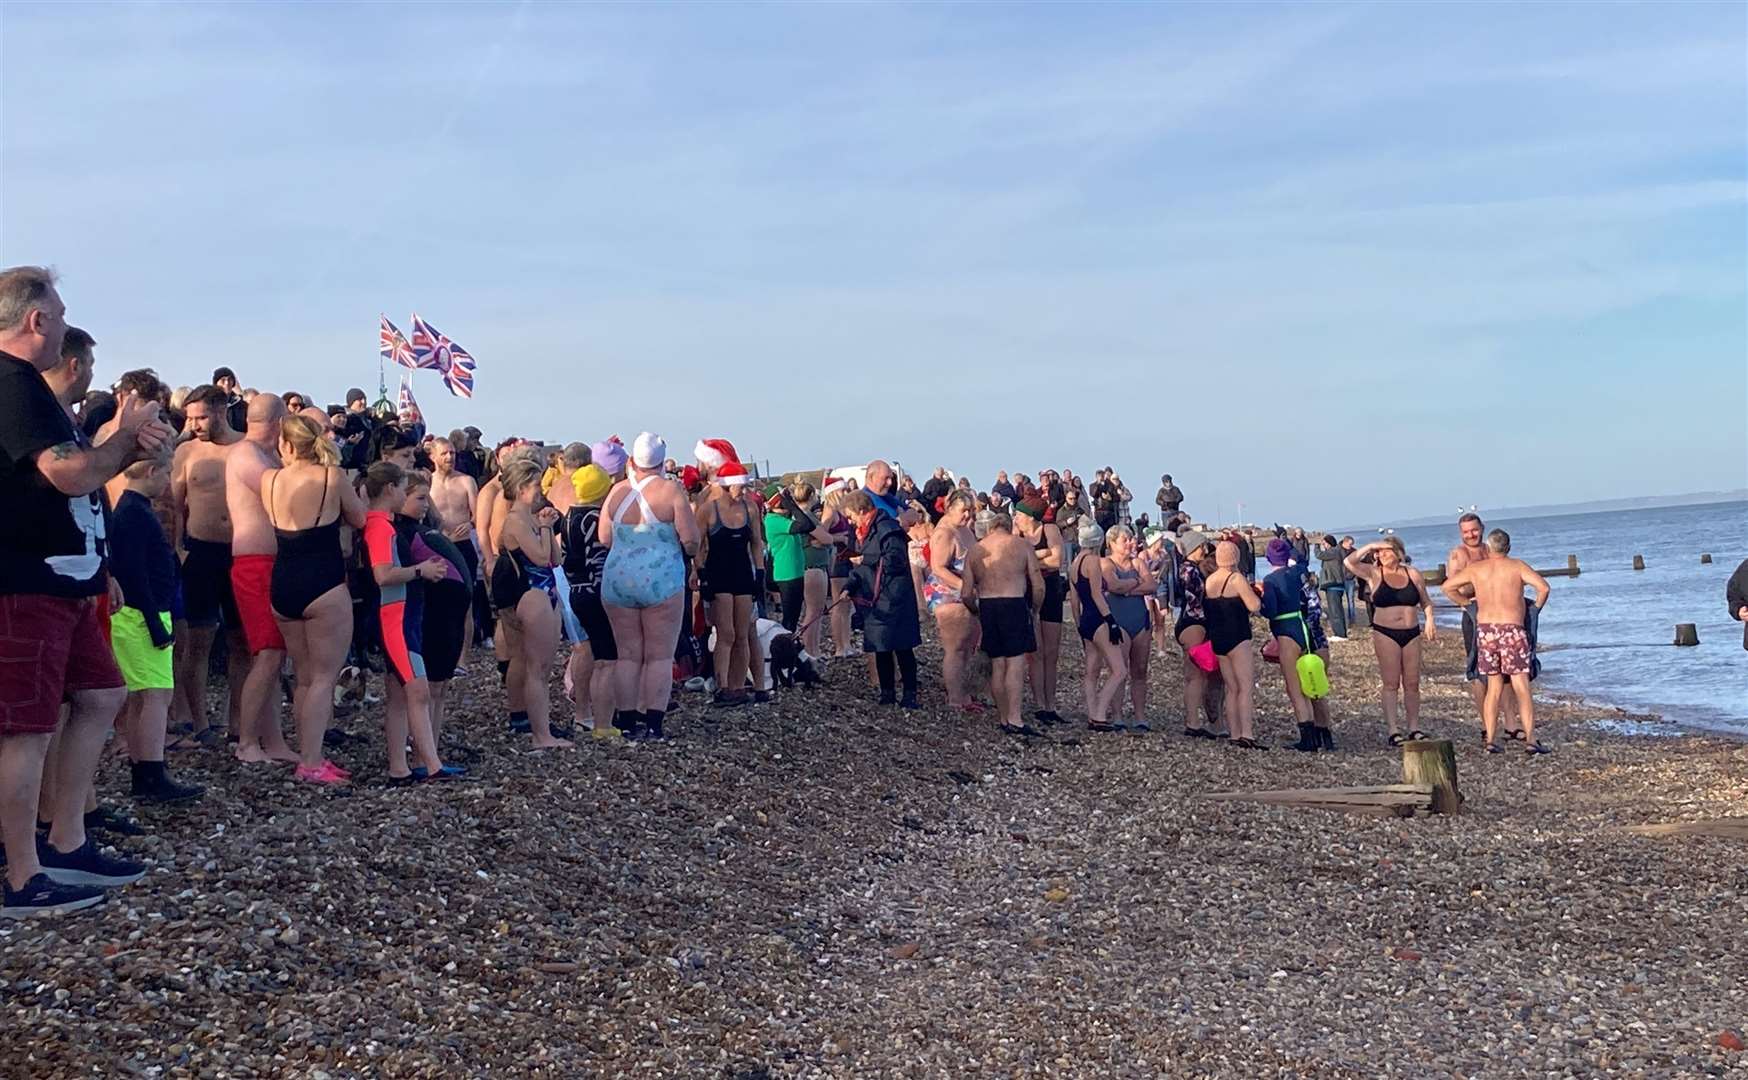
x=401, y=609
x=1283, y=602
x=447, y=602
x=584, y=558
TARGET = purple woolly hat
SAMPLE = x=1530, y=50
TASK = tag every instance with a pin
x=1280, y=553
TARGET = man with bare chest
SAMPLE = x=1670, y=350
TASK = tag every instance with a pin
x=1471, y=549
x=1506, y=653
x=454, y=499
x=203, y=526
x=1002, y=579
x=253, y=547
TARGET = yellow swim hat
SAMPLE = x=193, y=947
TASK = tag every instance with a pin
x=591, y=483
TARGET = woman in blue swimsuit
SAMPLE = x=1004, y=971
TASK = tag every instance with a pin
x=1128, y=583
x=650, y=533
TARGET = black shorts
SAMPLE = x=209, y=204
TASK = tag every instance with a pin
x=586, y=606
x=1007, y=627
x=207, y=599
x=1184, y=622
x=1055, y=595
x=794, y=594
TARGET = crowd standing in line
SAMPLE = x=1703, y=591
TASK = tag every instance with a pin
x=150, y=527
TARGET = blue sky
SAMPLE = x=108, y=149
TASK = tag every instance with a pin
x=1335, y=262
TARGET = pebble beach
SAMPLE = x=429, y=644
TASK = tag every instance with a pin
x=823, y=888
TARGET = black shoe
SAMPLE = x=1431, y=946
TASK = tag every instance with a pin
x=1048, y=717
x=42, y=895
x=86, y=865
x=1326, y=738
x=726, y=700
x=561, y=731
x=887, y=698
x=650, y=730
x=152, y=784
x=909, y=702
x=103, y=819
x=1308, y=740
x=761, y=697
x=627, y=721
x=519, y=724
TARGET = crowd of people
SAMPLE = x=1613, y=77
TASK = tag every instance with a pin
x=150, y=528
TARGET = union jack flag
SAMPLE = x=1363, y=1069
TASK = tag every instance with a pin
x=433, y=350
x=430, y=348
x=407, y=403
x=394, y=346
x=459, y=377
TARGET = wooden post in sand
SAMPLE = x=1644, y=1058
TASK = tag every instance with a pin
x=1638, y=562
x=1433, y=762
x=1572, y=565
x=1686, y=633
x=1705, y=560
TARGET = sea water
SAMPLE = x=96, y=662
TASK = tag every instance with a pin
x=1606, y=634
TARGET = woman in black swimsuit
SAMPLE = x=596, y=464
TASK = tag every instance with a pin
x=1398, y=594
x=1100, y=635
x=734, y=543
x=305, y=501
x=1229, y=603
x=1197, y=559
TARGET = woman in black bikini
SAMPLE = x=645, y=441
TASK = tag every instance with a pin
x=1398, y=594
x=309, y=595
x=1228, y=604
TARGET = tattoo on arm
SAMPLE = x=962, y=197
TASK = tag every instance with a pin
x=63, y=451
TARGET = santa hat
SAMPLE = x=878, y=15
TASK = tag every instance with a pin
x=731, y=474
x=714, y=453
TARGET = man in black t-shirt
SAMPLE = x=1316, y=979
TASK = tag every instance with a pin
x=1106, y=497
x=51, y=575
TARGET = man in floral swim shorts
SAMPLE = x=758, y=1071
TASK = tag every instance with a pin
x=1502, y=644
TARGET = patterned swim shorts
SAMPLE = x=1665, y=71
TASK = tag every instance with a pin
x=1502, y=649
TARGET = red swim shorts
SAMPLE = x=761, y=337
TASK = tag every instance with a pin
x=1501, y=649
x=252, y=584
x=50, y=647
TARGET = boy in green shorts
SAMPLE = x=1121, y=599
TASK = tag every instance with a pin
x=144, y=565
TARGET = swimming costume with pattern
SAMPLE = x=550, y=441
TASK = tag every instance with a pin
x=644, y=566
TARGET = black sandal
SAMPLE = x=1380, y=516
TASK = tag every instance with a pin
x=1515, y=736
x=1198, y=733
x=1493, y=748
x=1417, y=736
x=1249, y=744
x=1396, y=738
x=1535, y=748
x=1101, y=726
x=1024, y=731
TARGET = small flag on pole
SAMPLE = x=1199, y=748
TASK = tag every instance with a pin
x=408, y=405
x=394, y=346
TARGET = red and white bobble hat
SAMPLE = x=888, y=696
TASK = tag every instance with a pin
x=713, y=454
x=731, y=474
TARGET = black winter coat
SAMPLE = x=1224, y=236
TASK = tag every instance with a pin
x=891, y=623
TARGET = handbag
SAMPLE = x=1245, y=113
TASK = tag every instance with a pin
x=1202, y=656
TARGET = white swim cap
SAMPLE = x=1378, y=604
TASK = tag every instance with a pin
x=649, y=451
